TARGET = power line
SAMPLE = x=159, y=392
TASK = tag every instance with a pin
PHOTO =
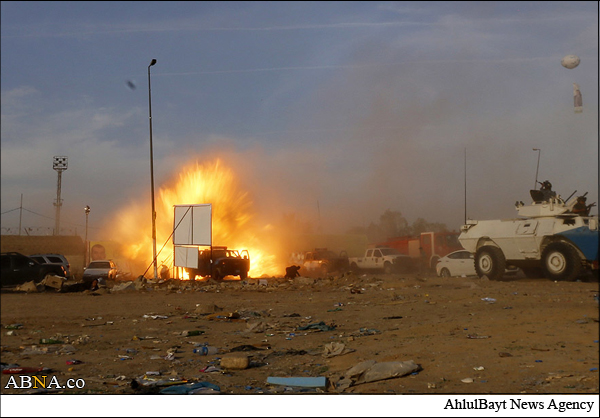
x=9, y=211
x=44, y=216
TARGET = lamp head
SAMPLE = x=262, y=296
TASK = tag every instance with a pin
x=152, y=62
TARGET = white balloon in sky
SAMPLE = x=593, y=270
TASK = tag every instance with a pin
x=570, y=61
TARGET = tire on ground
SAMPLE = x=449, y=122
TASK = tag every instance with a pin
x=560, y=261
x=490, y=262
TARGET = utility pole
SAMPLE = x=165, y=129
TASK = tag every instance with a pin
x=20, y=213
x=87, y=246
x=537, y=168
x=152, y=174
x=60, y=165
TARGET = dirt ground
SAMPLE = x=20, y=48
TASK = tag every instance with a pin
x=536, y=336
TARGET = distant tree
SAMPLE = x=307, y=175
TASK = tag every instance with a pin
x=393, y=224
x=374, y=233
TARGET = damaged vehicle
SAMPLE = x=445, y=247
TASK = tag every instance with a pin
x=324, y=261
x=53, y=259
x=18, y=269
x=98, y=272
x=219, y=261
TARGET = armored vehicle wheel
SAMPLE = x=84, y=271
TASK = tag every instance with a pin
x=243, y=275
x=354, y=268
x=387, y=268
x=560, y=261
x=445, y=272
x=217, y=274
x=490, y=262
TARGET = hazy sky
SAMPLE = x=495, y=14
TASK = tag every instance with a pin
x=335, y=111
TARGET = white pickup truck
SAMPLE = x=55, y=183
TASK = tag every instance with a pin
x=388, y=260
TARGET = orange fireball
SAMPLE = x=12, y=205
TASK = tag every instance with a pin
x=233, y=220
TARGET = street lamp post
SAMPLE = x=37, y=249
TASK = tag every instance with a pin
x=87, y=246
x=60, y=164
x=537, y=168
x=152, y=174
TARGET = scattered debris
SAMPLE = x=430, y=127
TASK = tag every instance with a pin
x=55, y=282
x=153, y=316
x=319, y=326
x=124, y=287
x=477, y=337
x=30, y=287
x=336, y=349
x=371, y=371
x=207, y=308
x=235, y=361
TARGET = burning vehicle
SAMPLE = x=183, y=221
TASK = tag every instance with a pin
x=219, y=261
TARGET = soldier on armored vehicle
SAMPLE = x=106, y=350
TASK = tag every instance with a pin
x=580, y=208
x=544, y=194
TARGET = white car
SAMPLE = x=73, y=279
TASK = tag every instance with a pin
x=461, y=263
x=457, y=263
x=99, y=271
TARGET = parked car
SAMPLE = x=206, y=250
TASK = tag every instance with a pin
x=98, y=272
x=461, y=263
x=18, y=269
x=53, y=259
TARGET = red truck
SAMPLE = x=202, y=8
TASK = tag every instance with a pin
x=433, y=245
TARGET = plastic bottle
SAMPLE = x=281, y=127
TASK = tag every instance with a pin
x=206, y=350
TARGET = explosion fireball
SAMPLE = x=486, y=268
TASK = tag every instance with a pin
x=233, y=219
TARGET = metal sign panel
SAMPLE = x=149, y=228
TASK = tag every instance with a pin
x=186, y=257
x=192, y=225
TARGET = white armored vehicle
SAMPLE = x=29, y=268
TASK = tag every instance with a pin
x=553, y=238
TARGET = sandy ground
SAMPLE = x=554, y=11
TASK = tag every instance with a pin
x=539, y=336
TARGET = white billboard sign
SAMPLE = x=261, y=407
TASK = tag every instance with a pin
x=186, y=257
x=192, y=225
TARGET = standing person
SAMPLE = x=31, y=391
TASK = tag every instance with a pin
x=547, y=191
